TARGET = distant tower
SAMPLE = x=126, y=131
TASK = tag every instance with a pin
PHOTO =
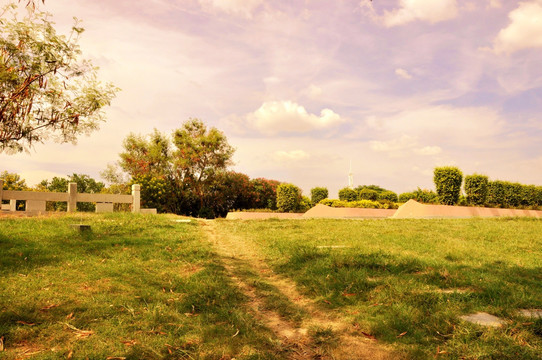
x=350, y=177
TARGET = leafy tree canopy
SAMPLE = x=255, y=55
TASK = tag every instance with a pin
x=13, y=181
x=46, y=90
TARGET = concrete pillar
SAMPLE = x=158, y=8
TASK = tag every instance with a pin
x=13, y=205
x=136, y=198
x=72, y=197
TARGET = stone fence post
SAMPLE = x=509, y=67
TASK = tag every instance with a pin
x=72, y=197
x=136, y=196
x=1, y=191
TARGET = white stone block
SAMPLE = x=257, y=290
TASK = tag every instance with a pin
x=35, y=205
x=148, y=211
x=104, y=207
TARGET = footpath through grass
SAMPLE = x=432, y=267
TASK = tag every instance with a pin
x=136, y=287
x=407, y=282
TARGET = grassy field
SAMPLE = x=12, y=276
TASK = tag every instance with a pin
x=137, y=287
x=146, y=287
x=407, y=282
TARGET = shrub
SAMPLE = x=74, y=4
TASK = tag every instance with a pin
x=154, y=191
x=318, y=194
x=423, y=196
x=305, y=204
x=368, y=194
x=388, y=195
x=288, y=197
x=538, y=196
x=476, y=189
x=528, y=196
x=448, y=184
x=348, y=194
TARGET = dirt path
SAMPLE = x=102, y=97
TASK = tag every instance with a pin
x=300, y=339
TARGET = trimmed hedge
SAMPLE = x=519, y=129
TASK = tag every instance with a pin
x=506, y=194
x=448, y=184
x=423, y=196
x=364, y=204
x=368, y=194
x=347, y=194
x=388, y=195
x=288, y=198
x=318, y=194
x=476, y=189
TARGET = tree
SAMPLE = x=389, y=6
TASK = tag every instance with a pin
x=85, y=184
x=13, y=181
x=201, y=153
x=146, y=155
x=264, y=193
x=46, y=91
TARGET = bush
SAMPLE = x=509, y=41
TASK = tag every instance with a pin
x=388, y=195
x=448, y=184
x=476, y=189
x=305, y=204
x=368, y=194
x=348, y=194
x=288, y=197
x=318, y=194
x=422, y=196
x=154, y=191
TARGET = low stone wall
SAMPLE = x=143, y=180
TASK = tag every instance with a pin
x=414, y=210
x=410, y=210
x=261, y=215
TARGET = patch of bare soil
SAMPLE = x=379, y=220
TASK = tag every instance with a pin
x=295, y=338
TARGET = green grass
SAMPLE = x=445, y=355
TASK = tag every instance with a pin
x=136, y=287
x=395, y=278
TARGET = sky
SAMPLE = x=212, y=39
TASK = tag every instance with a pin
x=304, y=88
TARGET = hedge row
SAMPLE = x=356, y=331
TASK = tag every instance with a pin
x=364, y=204
x=507, y=194
x=422, y=196
x=370, y=192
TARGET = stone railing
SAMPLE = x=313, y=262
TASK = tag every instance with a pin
x=36, y=201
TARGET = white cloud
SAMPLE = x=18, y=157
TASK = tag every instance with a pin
x=443, y=124
x=423, y=10
x=524, y=31
x=244, y=8
x=271, y=80
x=402, y=73
x=494, y=4
x=405, y=142
x=405, y=145
x=275, y=117
x=290, y=156
x=428, y=150
x=312, y=91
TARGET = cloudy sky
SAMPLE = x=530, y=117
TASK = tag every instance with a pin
x=302, y=88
